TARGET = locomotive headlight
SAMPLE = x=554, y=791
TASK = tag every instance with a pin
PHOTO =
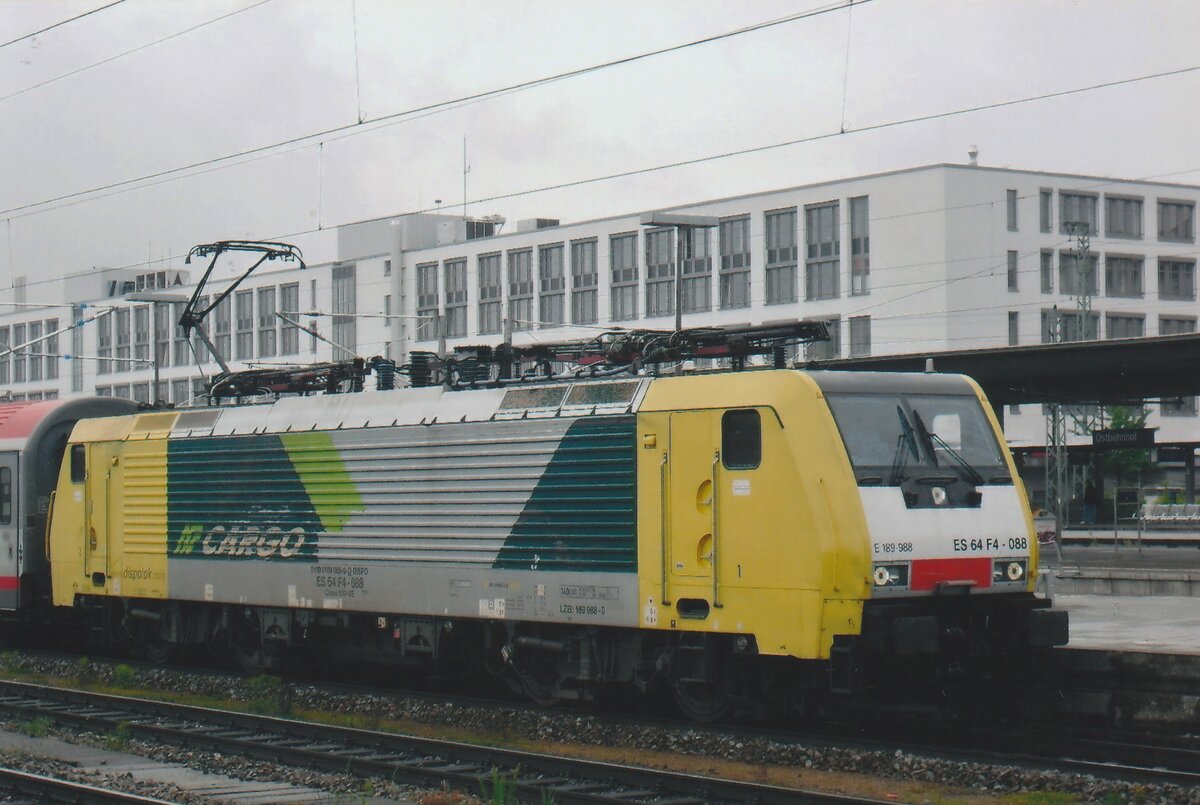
x=892, y=575
x=1008, y=570
x=939, y=495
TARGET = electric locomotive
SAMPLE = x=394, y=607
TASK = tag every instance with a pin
x=733, y=536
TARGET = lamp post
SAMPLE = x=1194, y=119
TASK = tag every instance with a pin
x=683, y=226
x=155, y=299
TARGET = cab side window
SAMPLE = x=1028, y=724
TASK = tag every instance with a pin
x=6, y=496
x=78, y=463
x=741, y=439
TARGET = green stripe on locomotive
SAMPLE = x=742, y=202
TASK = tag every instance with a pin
x=582, y=513
x=262, y=496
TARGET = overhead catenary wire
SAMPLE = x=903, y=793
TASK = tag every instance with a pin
x=59, y=24
x=362, y=125
x=125, y=53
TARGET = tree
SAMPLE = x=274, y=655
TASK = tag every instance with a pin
x=1127, y=462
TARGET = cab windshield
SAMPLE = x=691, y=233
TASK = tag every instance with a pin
x=894, y=437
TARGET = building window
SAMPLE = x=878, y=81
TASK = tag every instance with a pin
x=76, y=347
x=1046, y=210
x=1176, y=221
x=387, y=312
x=1047, y=272
x=860, y=247
x=456, y=298
x=104, y=344
x=1014, y=328
x=490, y=293
x=623, y=259
x=6, y=356
x=1068, y=323
x=141, y=339
x=313, y=324
x=660, y=273
x=1069, y=273
x=387, y=268
x=345, y=305
x=268, y=333
x=50, y=349
x=827, y=350
x=179, y=344
x=428, y=301
x=1077, y=208
x=860, y=335
x=1013, y=259
x=289, y=333
x=222, y=326
x=1011, y=208
x=121, y=325
x=696, y=270
x=734, y=242
x=823, y=260
x=584, y=282
x=552, y=286
x=782, y=254
x=35, y=350
x=520, y=289
x=1117, y=326
x=1122, y=276
x=1177, y=325
x=1176, y=278
x=19, y=354
x=243, y=304
x=1122, y=217
x=181, y=393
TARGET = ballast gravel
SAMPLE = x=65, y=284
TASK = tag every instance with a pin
x=572, y=728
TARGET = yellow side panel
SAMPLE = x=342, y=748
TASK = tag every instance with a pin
x=792, y=556
x=109, y=534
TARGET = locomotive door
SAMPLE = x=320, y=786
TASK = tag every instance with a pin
x=95, y=522
x=10, y=529
x=690, y=512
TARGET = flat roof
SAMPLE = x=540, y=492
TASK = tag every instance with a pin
x=1115, y=371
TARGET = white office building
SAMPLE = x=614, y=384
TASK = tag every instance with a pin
x=929, y=258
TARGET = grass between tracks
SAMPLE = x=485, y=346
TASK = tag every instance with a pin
x=268, y=696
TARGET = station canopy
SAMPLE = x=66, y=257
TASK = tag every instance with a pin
x=1110, y=372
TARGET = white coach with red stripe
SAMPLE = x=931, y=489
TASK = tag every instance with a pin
x=33, y=437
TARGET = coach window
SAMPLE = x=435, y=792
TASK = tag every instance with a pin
x=6, y=496
x=741, y=440
x=78, y=463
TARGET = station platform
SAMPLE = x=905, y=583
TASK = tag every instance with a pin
x=1129, y=535
x=1124, y=567
x=1126, y=597
x=1151, y=624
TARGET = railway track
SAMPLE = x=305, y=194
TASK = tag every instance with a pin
x=418, y=761
x=21, y=787
x=1125, y=755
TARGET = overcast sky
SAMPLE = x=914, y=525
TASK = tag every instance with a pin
x=283, y=69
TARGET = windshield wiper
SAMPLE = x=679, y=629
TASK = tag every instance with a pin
x=905, y=439
x=929, y=439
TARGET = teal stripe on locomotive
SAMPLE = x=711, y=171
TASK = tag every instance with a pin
x=582, y=514
x=237, y=497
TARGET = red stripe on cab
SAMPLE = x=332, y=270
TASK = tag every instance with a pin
x=927, y=573
x=9, y=582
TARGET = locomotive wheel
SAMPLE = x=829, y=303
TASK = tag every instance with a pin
x=704, y=702
x=248, y=649
x=541, y=694
x=156, y=650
